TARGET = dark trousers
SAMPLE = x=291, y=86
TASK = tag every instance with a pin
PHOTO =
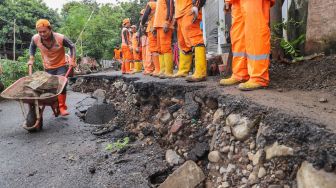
x=59, y=71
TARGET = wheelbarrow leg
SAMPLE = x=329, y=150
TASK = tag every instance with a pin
x=38, y=115
x=55, y=109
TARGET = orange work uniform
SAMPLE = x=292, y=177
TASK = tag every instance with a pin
x=189, y=34
x=126, y=51
x=117, y=54
x=250, y=36
x=146, y=56
x=136, y=45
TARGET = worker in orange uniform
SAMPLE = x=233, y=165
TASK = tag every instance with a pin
x=146, y=55
x=250, y=36
x=164, y=26
x=136, y=50
x=126, y=47
x=51, y=45
x=188, y=15
x=117, y=55
x=153, y=48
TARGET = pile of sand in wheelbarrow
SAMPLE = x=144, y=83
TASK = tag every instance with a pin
x=40, y=84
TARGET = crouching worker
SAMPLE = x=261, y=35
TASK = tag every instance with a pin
x=51, y=45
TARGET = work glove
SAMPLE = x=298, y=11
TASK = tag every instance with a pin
x=165, y=28
x=227, y=7
x=194, y=12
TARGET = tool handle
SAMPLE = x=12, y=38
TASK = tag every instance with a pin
x=69, y=71
x=30, y=70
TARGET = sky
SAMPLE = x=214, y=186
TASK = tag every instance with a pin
x=58, y=4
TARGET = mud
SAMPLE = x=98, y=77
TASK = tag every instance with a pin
x=147, y=110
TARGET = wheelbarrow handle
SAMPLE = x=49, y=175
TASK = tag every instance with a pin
x=30, y=70
x=69, y=71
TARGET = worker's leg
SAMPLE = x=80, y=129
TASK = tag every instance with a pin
x=166, y=50
x=185, y=58
x=239, y=61
x=159, y=33
x=194, y=35
x=258, y=47
x=153, y=48
x=148, y=62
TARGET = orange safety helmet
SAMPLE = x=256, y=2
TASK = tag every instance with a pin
x=42, y=23
x=126, y=21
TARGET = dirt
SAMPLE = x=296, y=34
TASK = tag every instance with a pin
x=312, y=75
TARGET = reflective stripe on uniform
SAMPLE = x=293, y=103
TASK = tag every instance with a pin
x=258, y=57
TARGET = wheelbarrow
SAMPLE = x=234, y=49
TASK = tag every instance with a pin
x=39, y=103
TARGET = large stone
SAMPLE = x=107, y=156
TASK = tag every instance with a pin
x=258, y=158
x=214, y=156
x=165, y=117
x=189, y=175
x=240, y=126
x=262, y=172
x=178, y=124
x=172, y=157
x=85, y=104
x=191, y=107
x=309, y=177
x=219, y=114
x=277, y=150
x=100, y=95
x=100, y=114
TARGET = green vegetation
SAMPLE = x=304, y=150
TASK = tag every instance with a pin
x=120, y=144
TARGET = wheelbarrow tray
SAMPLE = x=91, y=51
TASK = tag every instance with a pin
x=9, y=93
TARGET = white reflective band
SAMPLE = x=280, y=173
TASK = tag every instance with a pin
x=258, y=57
x=239, y=54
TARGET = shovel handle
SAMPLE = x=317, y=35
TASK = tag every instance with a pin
x=30, y=70
x=68, y=72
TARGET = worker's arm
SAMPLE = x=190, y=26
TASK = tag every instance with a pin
x=146, y=15
x=199, y=3
x=125, y=34
x=69, y=44
x=170, y=10
x=227, y=6
x=32, y=51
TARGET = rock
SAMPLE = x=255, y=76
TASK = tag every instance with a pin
x=100, y=114
x=191, y=107
x=219, y=179
x=252, y=179
x=252, y=145
x=165, y=117
x=100, y=95
x=227, y=129
x=323, y=100
x=225, y=149
x=124, y=87
x=178, y=124
x=280, y=174
x=214, y=156
x=262, y=172
x=200, y=150
x=85, y=104
x=174, y=108
x=249, y=167
x=172, y=157
x=219, y=114
x=225, y=184
x=222, y=170
x=277, y=150
x=258, y=158
x=309, y=177
x=118, y=85
x=231, y=167
x=189, y=175
x=250, y=156
x=275, y=186
x=240, y=126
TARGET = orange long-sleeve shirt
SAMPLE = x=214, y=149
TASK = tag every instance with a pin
x=163, y=14
x=182, y=7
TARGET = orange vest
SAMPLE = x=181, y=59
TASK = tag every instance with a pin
x=182, y=7
x=117, y=53
x=151, y=17
x=123, y=39
x=55, y=56
x=161, y=14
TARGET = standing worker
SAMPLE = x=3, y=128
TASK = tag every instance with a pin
x=188, y=15
x=117, y=56
x=126, y=47
x=164, y=26
x=51, y=45
x=136, y=50
x=146, y=55
x=153, y=48
x=250, y=36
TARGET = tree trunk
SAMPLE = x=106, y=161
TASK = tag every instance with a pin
x=276, y=29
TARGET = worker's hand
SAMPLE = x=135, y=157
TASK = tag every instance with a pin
x=227, y=7
x=73, y=63
x=30, y=62
x=166, y=28
x=194, y=12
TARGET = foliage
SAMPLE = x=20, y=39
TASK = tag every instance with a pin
x=120, y=144
x=26, y=13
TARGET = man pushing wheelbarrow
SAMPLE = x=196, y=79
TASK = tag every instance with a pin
x=47, y=88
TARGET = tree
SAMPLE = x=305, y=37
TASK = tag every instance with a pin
x=26, y=13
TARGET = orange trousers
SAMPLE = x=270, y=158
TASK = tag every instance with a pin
x=146, y=56
x=152, y=40
x=164, y=43
x=127, y=59
x=250, y=36
x=189, y=34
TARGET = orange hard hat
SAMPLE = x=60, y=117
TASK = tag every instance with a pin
x=126, y=21
x=42, y=23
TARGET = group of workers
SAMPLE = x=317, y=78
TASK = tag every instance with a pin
x=250, y=36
